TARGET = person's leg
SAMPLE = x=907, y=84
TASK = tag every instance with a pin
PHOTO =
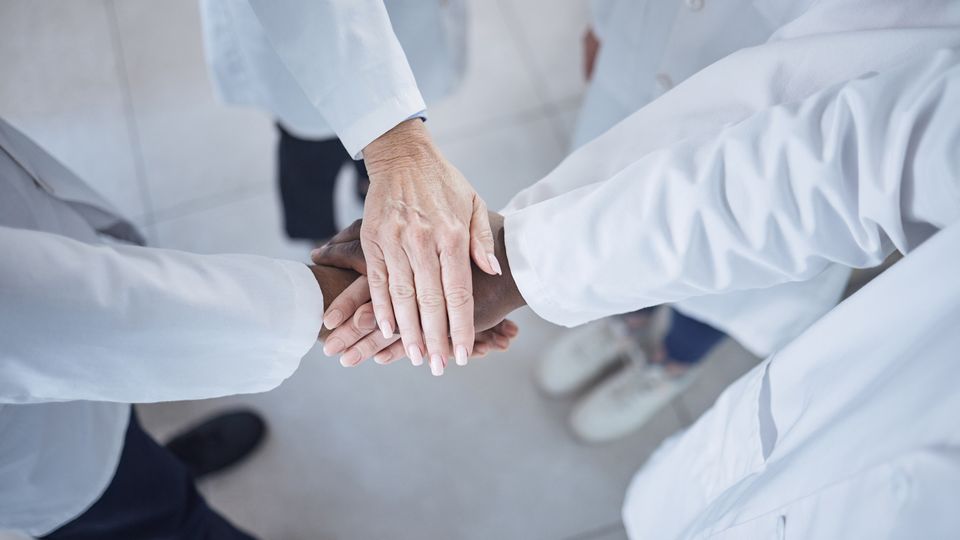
x=151, y=496
x=688, y=340
x=307, y=174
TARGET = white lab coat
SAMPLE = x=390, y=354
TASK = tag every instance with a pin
x=285, y=60
x=649, y=47
x=851, y=430
x=595, y=237
x=86, y=328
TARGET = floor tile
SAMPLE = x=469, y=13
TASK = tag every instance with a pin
x=497, y=84
x=193, y=147
x=550, y=39
x=500, y=162
x=62, y=87
x=721, y=367
x=391, y=452
x=243, y=221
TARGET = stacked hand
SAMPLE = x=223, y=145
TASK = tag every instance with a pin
x=424, y=223
x=352, y=316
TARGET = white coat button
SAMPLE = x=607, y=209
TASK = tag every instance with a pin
x=694, y=5
x=664, y=82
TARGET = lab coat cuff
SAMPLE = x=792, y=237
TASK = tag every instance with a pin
x=380, y=120
x=306, y=315
x=531, y=286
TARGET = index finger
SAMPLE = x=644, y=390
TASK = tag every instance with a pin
x=457, y=279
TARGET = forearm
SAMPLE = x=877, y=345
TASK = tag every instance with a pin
x=843, y=177
x=136, y=324
x=348, y=61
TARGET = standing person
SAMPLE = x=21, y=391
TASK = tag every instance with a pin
x=309, y=154
x=634, y=52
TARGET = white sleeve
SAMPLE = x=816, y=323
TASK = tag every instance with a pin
x=828, y=43
x=133, y=324
x=346, y=57
x=844, y=177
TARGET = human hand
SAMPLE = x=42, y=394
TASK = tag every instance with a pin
x=333, y=282
x=591, y=46
x=423, y=224
x=495, y=297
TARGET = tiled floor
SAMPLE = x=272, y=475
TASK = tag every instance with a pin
x=117, y=90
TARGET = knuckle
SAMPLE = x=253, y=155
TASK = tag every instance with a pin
x=430, y=300
x=402, y=291
x=458, y=297
x=376, y=278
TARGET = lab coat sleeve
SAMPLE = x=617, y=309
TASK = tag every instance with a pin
x=827, y=43
x=133, y=324
x=346, y=57
x=844, y=176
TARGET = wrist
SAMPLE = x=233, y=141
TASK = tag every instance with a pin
x=406, y=145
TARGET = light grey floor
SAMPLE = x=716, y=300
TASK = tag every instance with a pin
x=118, y=91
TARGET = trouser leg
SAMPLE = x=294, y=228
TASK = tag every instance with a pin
x=151, y=497
x=688, y=340
x=307, y=175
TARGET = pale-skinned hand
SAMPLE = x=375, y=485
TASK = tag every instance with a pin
x=423, y=223
x=495, y=297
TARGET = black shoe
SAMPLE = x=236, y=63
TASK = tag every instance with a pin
x=218, y=443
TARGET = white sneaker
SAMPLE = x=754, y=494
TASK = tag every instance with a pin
x=626, y=401
x=582, y=354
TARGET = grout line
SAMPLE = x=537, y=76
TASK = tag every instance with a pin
x=519, y=39
x=597, y=532
x=133, y=129
x=208, y=202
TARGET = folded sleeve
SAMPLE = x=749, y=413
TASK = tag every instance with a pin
x=844, y=176
x=347, y=59
x=133, y=324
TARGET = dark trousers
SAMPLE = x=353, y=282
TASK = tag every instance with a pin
x=151, y=497
x=688, y=340
x=307, y=173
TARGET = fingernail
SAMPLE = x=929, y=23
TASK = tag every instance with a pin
x=416, y=357
x=494, y=263
x=366, y=321
x=436, y=365
x=350, y=359
x=316, y=252
x=333, y=346
x=461, y=355
x=333, y=318
x=381, y=357
x=386, y=329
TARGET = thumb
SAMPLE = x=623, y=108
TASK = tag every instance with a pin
x=481, y=239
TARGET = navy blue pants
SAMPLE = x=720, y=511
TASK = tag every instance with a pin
x=688, y=340
x=307, y=174
x=151, y=497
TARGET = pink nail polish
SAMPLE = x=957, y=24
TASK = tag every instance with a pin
x=494, y=263
x=333, y=319
x=386, y=329
x=416, y=357
x=461, y=355
x=436, y=365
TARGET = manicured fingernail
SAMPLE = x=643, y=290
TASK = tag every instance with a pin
x=386, y=329
x=333, y=318
x=333, y=346
x=350, y=359
x=494, y=263
x=382, y=357
x=366, y=321
x=416, y=357
x=461, y=355
x=436, y=365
